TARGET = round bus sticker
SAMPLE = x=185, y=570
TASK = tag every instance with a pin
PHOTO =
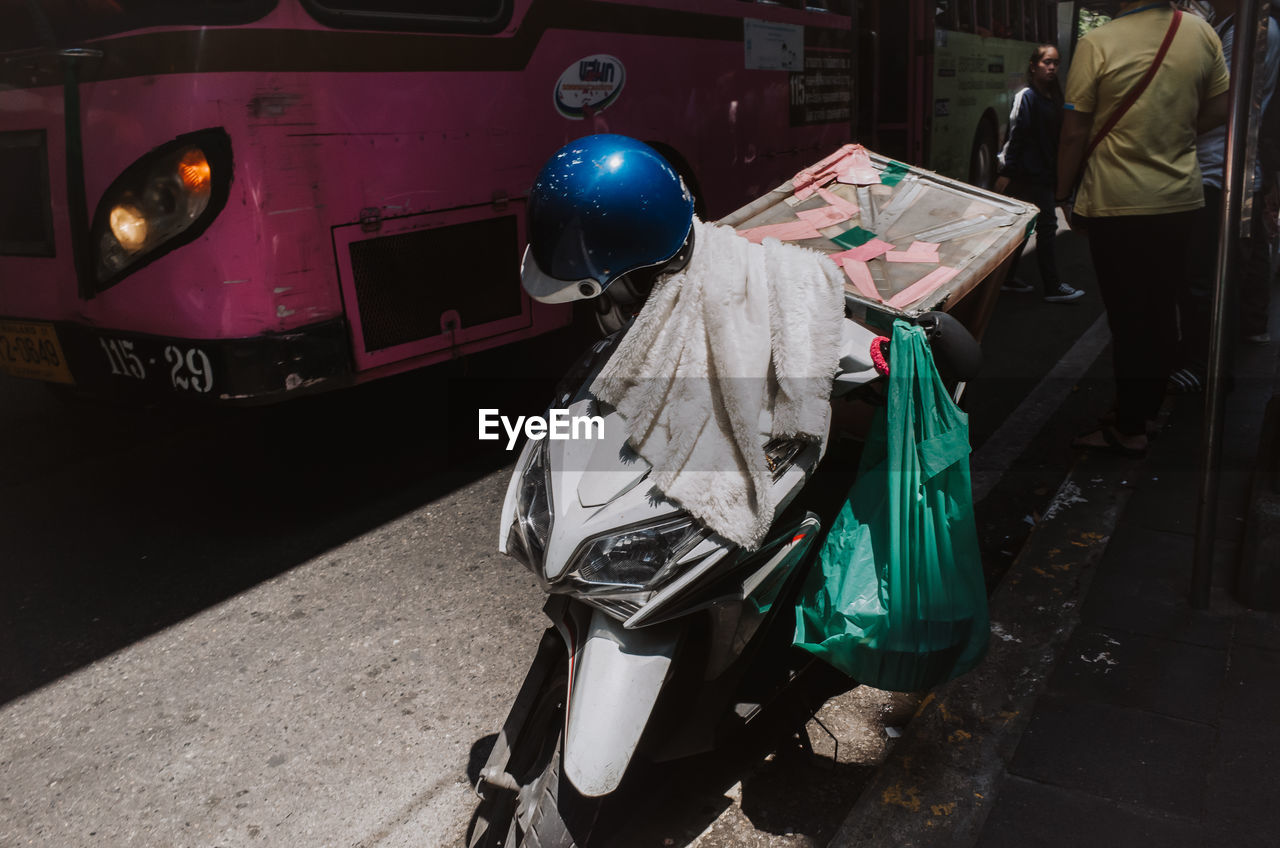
x=589, y=85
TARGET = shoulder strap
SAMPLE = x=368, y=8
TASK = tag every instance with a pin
x=1140, y=87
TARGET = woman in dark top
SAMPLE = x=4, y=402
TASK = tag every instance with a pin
x=1029, y=165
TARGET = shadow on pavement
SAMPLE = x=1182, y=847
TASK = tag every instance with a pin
x=773, y=779
x=121, y=521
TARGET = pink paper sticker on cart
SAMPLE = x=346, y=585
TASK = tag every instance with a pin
x=789, y=231
x=928, y=248
x=919, y=251
x=935, y=278
x=858, y=169
x=864, y=252
x=805, y=182
x=847, y=206
x=859, y=178
x=860, y=275
x=826, y=216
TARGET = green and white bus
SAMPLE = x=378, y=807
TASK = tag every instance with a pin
x=936, y=79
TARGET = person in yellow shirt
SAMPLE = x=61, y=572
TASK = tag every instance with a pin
x=1140, y=188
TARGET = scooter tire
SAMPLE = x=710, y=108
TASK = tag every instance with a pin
x=547, y=812
x=547, y=827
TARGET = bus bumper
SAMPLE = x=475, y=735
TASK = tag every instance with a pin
x=254, y=370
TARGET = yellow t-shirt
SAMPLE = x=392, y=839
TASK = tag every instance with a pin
x=1146, y=165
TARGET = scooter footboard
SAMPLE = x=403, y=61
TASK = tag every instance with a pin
x=615, y=678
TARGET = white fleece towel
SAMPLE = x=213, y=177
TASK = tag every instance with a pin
x=738, y=347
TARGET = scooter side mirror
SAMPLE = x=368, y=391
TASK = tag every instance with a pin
x=956, y=351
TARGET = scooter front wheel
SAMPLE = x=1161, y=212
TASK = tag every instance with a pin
x=533, y=806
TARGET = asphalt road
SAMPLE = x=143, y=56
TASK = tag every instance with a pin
x=291, y=626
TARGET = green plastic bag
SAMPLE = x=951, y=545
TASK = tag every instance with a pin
x=899, y=601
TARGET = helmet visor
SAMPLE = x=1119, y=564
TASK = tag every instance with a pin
x=545, y=288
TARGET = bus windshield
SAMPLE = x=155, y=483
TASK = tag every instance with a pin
x=425, y=15
x=60, y=23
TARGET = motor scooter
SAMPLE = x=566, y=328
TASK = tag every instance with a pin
x=665, y=638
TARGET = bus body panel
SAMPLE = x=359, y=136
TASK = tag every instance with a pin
x=223, y=283
x=28, y=283
x=243, y=275
x=359, y=157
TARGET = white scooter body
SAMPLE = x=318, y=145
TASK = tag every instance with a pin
x=621, y=645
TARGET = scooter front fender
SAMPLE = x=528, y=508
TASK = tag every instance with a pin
x=614, y=682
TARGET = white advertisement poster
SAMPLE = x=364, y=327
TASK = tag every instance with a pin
x=772, y=46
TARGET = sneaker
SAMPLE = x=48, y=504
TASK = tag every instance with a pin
x=1259, y=338
x=1013, y=284
x=1186, y=381
x=1063, y=294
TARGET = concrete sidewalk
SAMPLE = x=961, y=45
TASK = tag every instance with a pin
x=1108, y=711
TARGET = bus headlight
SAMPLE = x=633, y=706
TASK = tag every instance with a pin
x=129, y=226
x=164, y=200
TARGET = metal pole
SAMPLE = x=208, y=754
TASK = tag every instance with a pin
x=1233, y=181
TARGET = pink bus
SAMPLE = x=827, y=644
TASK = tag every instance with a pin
x=243, y=200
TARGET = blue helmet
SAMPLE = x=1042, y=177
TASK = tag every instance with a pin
x=601, y=207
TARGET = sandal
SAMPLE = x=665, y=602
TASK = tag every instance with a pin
x=1108, y=419
x=1111, y=442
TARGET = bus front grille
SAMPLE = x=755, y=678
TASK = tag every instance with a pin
x=26, y=216
x=406, y=283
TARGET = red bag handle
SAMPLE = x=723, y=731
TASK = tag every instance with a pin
x=1140, y=87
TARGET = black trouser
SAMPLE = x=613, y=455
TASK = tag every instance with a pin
x=1046, y=232
x=1255, y=279
x=1246, y=313
x=1141, y=262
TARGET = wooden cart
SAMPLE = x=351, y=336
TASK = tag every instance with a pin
x=910, y=241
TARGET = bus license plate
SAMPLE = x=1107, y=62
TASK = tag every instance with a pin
x=31, y=349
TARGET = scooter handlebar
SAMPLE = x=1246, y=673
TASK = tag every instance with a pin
x=957, y=352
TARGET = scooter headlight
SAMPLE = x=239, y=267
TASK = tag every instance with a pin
x=636, y=558
x=533, y=507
